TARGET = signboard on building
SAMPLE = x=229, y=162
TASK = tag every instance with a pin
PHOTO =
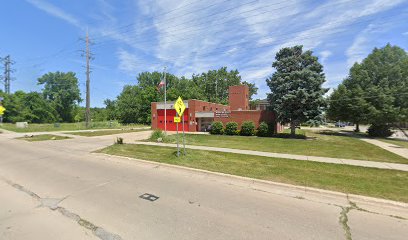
x=223, y=114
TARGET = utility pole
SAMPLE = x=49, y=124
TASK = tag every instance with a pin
x=7, y=70
x=88, y=80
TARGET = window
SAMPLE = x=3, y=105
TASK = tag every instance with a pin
x=210, y=108
x=203, y=108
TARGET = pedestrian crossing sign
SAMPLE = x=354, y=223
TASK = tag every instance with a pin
x=179, y=106
x=2, y=109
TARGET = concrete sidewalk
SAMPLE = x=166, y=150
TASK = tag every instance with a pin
x=361, y=163
x=401, y=151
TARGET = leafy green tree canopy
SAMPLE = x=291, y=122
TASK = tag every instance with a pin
x=376, y=90
x=62, y=90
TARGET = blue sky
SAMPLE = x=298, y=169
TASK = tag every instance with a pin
x=191, y=36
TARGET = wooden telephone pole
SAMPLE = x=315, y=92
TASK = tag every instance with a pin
x=88, y=80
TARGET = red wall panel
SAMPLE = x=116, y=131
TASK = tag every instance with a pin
x=171, y=125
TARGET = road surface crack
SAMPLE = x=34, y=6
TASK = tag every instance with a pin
x=52, y=204
x=344, y=221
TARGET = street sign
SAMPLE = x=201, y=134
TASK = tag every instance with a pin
x=177, y=119
x=2, y=109
x=179, y=106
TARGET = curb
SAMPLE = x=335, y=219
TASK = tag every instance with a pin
x=287, y=187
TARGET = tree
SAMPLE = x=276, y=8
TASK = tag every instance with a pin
x=349, y=105
x=253, y=90
x=213, y=85
x=296, y=87
x=111, y=109
x=30, y=107
x=62, y=90
x=376, y=90
x=37, y=109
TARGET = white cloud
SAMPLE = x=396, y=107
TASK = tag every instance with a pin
x=364, y=42
x=324, y=55
x=128, y=62
x=55, y=11
x=131, y=64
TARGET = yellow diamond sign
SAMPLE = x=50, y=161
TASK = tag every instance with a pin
x=2, y=109
x=179, y=106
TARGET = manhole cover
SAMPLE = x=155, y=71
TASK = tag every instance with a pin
x=149, y=197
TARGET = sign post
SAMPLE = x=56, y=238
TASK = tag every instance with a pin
x=180, y=108
x=184, y=142
x=178, y=149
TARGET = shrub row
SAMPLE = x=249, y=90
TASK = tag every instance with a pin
x=247, y=129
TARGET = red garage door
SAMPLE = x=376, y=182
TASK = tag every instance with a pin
x=171, y=125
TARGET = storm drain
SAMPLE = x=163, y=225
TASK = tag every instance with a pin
x=149, y=197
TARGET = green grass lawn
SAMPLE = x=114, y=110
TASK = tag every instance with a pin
x=33, y=127
x=397, y=142
x=389, y=184
x=43, y=137
x=324, y=145
x=105, y=132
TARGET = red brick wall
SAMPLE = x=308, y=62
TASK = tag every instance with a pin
x=238, y=97
x=202, y=106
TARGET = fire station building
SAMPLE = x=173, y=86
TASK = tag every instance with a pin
x=199, y=115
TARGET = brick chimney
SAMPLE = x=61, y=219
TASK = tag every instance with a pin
x=238, y=97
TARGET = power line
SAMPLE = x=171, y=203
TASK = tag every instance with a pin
x=232, y=29
x=153, y=25
x=221, y=23
x=240, y=15
x=188, y=13
x=280, y=41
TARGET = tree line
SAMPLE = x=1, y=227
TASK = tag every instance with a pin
x=375, y=92
x=59, y=98
x=133, y=104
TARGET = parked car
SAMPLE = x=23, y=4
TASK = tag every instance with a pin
x=340, y=124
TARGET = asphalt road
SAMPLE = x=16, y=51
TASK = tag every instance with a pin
x=59, y=190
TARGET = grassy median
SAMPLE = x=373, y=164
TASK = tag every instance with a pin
x=388, y=184
x=325, y=144
x=43, y=137
x=105, y=132
x=49, y=127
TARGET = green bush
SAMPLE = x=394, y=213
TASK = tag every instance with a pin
x=217, y=128
x=231, y=128
x=379, y=130
x=248, y=128
x=263, y=130
x=157, y=136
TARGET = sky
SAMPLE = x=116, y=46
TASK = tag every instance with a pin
x=190, y=37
